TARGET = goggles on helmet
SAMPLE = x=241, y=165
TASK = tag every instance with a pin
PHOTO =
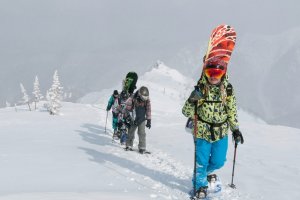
x=214, y=71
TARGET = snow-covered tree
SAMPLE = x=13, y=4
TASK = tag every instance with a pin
x=36, y=91
x=25, y=97
x=46, y=105
x=54, y=95
x=7, y=104
x=67, y=96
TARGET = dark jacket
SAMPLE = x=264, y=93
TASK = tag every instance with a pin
x=142, y=109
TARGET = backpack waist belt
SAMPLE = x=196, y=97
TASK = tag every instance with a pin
x=212, y=126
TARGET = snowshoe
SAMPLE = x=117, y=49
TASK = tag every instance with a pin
x=214, y=186
x=201, y=193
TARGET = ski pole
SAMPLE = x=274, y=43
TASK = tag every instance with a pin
x=232, y=185
x=99, y=107
x=106, y=120
x=195, y=153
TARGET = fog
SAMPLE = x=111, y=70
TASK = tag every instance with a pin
x=94, y=43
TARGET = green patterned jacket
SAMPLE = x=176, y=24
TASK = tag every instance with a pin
x=217, y=111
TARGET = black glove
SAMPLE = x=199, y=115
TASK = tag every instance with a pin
x=148, y=124
x=195, y=95
x=128, y=120
x=107, y=108
x=237, y=136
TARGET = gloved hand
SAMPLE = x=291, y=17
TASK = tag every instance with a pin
x=148, y=124
x=107, y=108
x=195, y=95
x=237, y=136
x=128, y=120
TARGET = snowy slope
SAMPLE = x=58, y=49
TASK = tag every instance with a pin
x=71, y=157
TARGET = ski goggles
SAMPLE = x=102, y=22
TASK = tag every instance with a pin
x=144, y=98
x=214, y=71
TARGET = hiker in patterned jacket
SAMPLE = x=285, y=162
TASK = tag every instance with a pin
x=139, y=107
x=212, y=107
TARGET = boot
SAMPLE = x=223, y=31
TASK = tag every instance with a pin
x=128, y=149
x=211, y=178
x=201, y=193
x=142, y=151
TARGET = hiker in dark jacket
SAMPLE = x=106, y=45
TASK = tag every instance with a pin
x=139, y=107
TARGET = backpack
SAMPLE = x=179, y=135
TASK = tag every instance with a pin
x=115, y=105
x=189, y=126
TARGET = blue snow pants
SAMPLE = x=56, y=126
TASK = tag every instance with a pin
x=209, y=157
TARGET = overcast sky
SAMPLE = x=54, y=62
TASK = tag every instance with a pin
x=88, y=39
x=34, y=26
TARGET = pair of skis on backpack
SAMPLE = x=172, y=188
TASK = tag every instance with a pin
x=213, y=190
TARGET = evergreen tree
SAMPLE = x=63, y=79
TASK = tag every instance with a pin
x=25, y=96
x=36, y=91
x=54, y=95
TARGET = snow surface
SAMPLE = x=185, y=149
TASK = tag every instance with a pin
x=70, y=157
